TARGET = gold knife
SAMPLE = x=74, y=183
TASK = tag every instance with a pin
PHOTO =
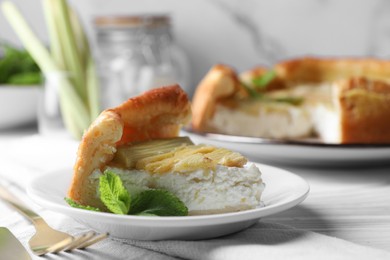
x=10, y=247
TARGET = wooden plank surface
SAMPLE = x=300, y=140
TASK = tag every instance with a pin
x=349, y=203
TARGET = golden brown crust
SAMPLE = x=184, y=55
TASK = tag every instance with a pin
x=220, y=82
x=157, y=113
x=309, y=70
x=316, y=70
x=365, y=109
x=97, y=147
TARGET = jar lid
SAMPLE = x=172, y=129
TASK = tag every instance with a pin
x=132, y=21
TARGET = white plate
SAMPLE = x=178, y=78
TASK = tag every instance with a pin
x=299, y=152
x=283, y=191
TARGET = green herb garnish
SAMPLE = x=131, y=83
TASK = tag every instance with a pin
x=262, y=81
x=259, y=83
x=251, y=92
x=77, y=205
x=153, y=202
x=113, y=194
x=157, y=202
x=290, y=100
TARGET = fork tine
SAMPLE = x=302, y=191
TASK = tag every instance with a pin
x=93, y=240
x=57, y=247
x=80, y=240
x=69, y=244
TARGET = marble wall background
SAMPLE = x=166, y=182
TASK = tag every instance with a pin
x=245, y=33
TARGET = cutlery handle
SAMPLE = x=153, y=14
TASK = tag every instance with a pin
x=8, y=197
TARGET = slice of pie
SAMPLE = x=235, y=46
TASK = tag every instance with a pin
x=139, y=141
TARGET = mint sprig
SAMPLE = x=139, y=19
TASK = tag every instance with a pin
x=113, y=194
x=295, y=101
x=262, y=81
x=153, y=202
x=74, y=204
x=157, y=202
x=259, y=83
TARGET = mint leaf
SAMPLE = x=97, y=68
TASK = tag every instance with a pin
x=262, y=81
x=290, y=100
x=259, y=83
x=251, y=92
x=157, y=202
x=74, y=204
x=113, y=194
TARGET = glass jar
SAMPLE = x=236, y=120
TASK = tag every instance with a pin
x=50, y=120
x=135, y=54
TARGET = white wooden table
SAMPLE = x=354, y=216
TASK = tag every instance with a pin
x=348, y=203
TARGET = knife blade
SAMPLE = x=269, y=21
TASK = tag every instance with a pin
x=10, y=247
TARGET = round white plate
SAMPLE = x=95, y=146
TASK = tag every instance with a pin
x=283, y=190
x=299, y=152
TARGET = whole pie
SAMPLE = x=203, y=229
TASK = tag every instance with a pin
x=341, y=101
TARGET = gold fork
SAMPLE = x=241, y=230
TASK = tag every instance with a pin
x=46, y=239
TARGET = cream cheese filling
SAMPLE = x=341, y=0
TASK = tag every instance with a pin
x=203, y=191
x=317, y=115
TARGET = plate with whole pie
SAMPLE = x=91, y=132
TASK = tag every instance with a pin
x=302, y=111
x=135, y=178
x=297, y=152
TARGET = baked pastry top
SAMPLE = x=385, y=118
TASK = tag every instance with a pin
x=138, y=141
x=158, y=113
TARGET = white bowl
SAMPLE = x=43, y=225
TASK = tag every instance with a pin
x=18, y=105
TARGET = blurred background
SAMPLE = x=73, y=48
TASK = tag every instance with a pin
x=245, y=33
x=175, y=41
